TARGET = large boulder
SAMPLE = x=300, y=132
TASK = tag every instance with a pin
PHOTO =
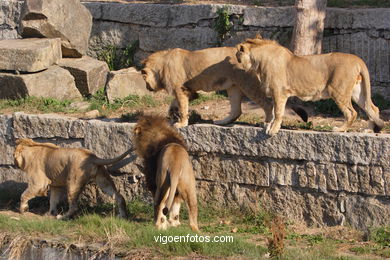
x=125, y=82
x=90, y=74
x=55, y=82
x=66, y=19
x=29, y=55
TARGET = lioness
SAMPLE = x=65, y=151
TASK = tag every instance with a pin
x=228, y=73
x=49, y=166
x=168, y=170
x=169, y=69
x=282, y=74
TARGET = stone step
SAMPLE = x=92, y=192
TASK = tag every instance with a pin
x=29, y=55
x=65, y=19
x=55, y=82
x=125, y=82
x=90, y=74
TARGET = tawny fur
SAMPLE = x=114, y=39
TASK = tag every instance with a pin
x=230, y=73
x=63, y=171
x=170, y=69
x=168, y=170
x=340, y=76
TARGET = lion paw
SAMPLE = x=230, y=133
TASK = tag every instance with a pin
x=272, y=129
x=339, y=129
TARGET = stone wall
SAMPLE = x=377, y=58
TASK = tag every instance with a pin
x=311, y=177
x=364, y=32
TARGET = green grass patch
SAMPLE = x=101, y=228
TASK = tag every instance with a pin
x=126, y=235
x=203, y=98
x=100, y=102
x=38, y=104
x=371, y=249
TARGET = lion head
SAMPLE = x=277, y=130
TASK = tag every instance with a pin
x=152, y=133
x=244, y=51
x=152, y=79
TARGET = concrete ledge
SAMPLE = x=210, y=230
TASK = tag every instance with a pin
x=313, y=177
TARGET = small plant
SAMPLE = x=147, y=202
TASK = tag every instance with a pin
x=276, y=243
x=381, y=236
x=108, y=55
x=223, y=25
x=117, y=59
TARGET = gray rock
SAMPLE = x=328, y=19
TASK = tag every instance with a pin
x=9, y=18
x=54, y=82
x=47, y=126
x=364, y=213
x=353, y=148
x=108, y=140
x=29, y=55
x=65, y=19
x=125, y=82
x=269, y=16
x=154, y=39
x=7, y=141
x=90, y=74
x=377, y=18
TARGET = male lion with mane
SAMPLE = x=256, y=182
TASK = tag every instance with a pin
x=170, y=69
x=168, y=170
x=282, y=74
x=50, y=167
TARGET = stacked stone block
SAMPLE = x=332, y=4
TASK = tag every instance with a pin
x=311, y=177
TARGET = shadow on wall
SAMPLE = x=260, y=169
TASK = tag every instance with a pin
x=10, y=192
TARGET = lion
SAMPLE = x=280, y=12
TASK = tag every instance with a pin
x=168, y=170
x=170, y=69
x=339, y=76
x=229, y=73
x=50, y=167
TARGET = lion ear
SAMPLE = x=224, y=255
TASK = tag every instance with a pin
x=258, y=36
x=242, y=48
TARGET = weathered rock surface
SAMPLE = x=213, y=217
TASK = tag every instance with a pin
x=90, y=74
x=65, y=19
x=54, y=82
x=9, y=18
x=6, y=140
x=29, y=55
x=125, y=82
x=311, y=177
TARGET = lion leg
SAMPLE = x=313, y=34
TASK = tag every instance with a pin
x=75, y=186
x=28, y=194
x=189, y=196
x=182, y=101
x=349, y=113
x=56, y=194
x=278, y=110
x=235, y=97
x=365, y=103
x=160, y=220
x=105, y=182
x=173, y=112
x=36, y=188
x=175, y=211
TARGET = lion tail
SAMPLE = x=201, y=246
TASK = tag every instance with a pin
x=365, y=102
x=99, y=161
x=174, y=181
